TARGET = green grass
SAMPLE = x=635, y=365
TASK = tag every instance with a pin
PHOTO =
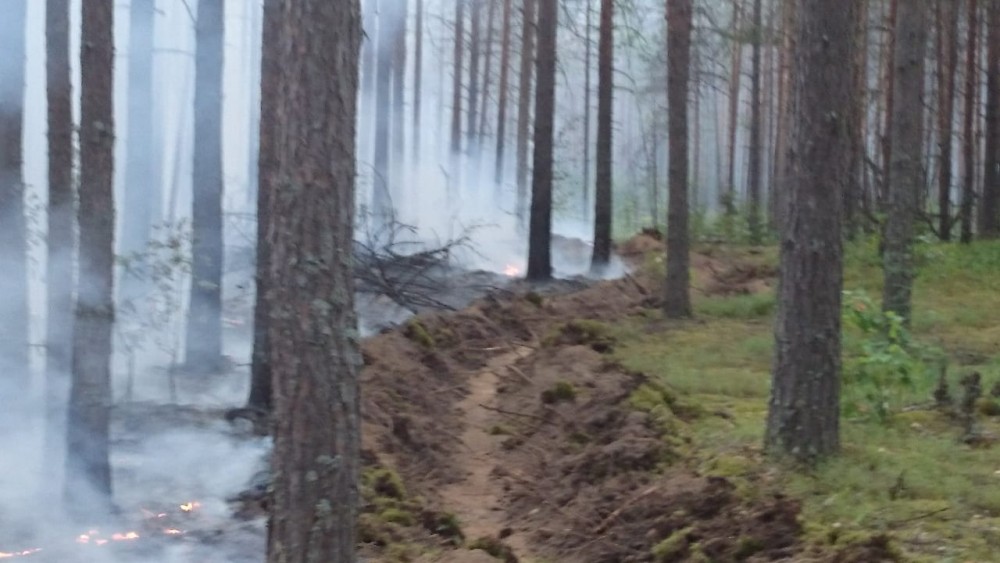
x=939, y=499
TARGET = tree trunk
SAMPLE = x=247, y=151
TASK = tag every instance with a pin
x=382, y=204
x=502, y=94
x=88, y=470
x=905, y=172
x=853, y=194
x=890, y=99
x=418, y=70
x=947, y=63
x=366, y=126
x=13, y=229
x=968, y=121
x=756, y=128
x=804, y=413
x=604, y=155
x=204, y=326
x=540, y=233
x=784, y=119
x=680, y=18
x=989, y=218
x=142, y=187
x=524, y=106
x=487, y=75
x=60, y=247
x=261, y=389
x=729, y=201
x=585, y=192
x=398, y=160
x=314, y=345
x=456, y=88
x=475, y=41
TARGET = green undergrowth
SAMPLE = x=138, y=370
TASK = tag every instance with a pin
x=903, y=470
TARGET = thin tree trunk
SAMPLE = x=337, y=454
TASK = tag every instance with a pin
x=456, y=89
x=947, y=63
x=367, y=126
x=540, y=233
x=524, y=107
x=398, y=160
x=785, y=57
x=968, y=128
x=604, y=155
x=13, y=228
x=890, y=100
x=906, y=174
x=315, y=355
x=475, y=41
x=756, y=128
x=734, y=107
x=382, y=203
x=585, y=193
x=677, y=302
x=804, y=413
x=487, y=74
x=989, y=208
x=502, y=94
x=60, y=247
x=204, y=326
x=261, y=389
x=88, y=470
x=418, y=69
x=853, y=193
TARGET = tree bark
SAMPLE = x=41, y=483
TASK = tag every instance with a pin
x=989, y=208
x=418, y=71
x=604, y=155
x=382, y=204
x=756, y=129
x=947, y=63
x=804, y=413
x=680, y=21
x=13, y=228
x=398, y=159
x=261, y=389
x=968, y=121
x=905, y=171
x=142, y=187
x=784, y=121
x=854, y=194
x=487, y=74
x=540, y=228
x=204, y=326
x=366, y=115
x=502, y=94
x=475, y=41
x=524, y=106
x=60, y=247
x=314, y=338
x=456, y=87
x=890, y=98
x=88, y=471
x=585, y=192
x=729, y=201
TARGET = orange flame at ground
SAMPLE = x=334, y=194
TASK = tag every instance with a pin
x=190, y=506
x=511, y=271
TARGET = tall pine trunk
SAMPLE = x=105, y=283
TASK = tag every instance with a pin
x=418, y=72
x=736, y=70
x=524, y=106
x=989, y=219
x=88, y=470
x=906, y=175
x=756, y=129
x=502, y=96
x=398, y=159
x=315, y=355
x=604, y=157
x=475, y=42
x=680, y=21
x=382, y=204
x=968, y=124
x=487, y=74
x=204, y=326
x=456, y=86
x=947, y=63
x=540, y=226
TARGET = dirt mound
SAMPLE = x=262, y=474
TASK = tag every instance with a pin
x=635, y=250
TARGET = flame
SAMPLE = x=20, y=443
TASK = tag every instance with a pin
x=511, y=271
x=172, y=531
x=190, y=506
x=23, y=553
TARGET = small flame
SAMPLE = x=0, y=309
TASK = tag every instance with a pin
x=511, y=271
x=125, y=537
x=23, y=553
x=173, y=532
x=190, y=506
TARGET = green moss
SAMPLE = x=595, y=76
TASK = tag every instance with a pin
x=443, y=524
x=755, y=306
x=562, y=391
x=673, y=548
x=417, y=332
x=397, y=516
x=383, y=482
x=988, y=407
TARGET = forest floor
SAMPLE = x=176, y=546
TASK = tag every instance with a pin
x=556, y=424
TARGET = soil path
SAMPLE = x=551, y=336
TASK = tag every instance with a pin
x=476, y=499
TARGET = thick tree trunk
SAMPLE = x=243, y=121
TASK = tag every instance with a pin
x=604, y=155
x=524, y=106
x=502, y=96
x=680, y=18
x=204, y=326
x=804, y=413
x=142, y=187
x=261, y=390
x=540, y=229
x=968, y=121
x=314, y=341
x=382, y=204
x=905, y=172
x=989, y=208
x=756, y=129
x=88, y=470
x=13, y=231
x=947, y=63
x=60, y=247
